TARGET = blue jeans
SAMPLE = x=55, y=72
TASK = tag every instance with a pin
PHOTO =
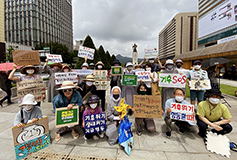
x=198, y=94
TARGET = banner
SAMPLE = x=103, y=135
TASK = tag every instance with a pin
x=95, y=123
x=85, y=52
x=65, y=76
x=200, y=84
x=83, y=71
x=172, y=80
x=116, y=70
x=101, y=85
x=151, y=53
x=147, y=106
x=31, y=137
x=54, y=58
x=143, y=75
x=64, y=117
x=129, y=80
x=182, y=112
x=26, y=57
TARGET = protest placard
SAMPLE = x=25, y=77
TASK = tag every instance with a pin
x=143, y=75
x=172, y=80
x=182, y=112
x=151, y=53
x=83, y=71
x=26, y=57
x=30, y=84
x=86, y=52
x=64, y=117
x=147, y=106
x=95, y=123
x=54, y=58
x=200, y=84
x=101, y=85
x=31, y=137
x=129, y=80
x=65, y=76
x=116, y=70
x=100, y=74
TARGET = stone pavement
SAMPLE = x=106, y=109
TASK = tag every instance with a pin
x=148, y=146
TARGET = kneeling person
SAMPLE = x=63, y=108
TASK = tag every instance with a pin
x=180, y=125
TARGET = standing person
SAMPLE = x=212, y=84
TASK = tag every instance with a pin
x=66, y=68
x=68, y=97
x=55, y=67
x=84, y=66
x=5, y=85
x=167, y=93
x=115, y=80
x=233, y=68
x=178, y=97
x=181, y=70
x=212, y=76
x=149, y=122
x=151, y=63
x=199, y=74
x=92, y=66
x=214, y=114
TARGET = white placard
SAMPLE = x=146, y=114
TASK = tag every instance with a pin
x=65, y=76
x=172, y=80
x=143, y=75
x=200, y=84
x=83, y=71
x=151, y=53
x=86, y=52
x=182, y=112
x=54, y=58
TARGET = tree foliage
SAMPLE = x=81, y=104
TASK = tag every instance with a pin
x=9, y=55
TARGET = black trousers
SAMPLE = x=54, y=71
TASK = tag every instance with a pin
x=8, y=97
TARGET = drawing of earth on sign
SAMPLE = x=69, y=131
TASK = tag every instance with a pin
x=30, y=133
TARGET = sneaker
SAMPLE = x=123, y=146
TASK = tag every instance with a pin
x=95, y=137
x=168, y=134
x=85, y=137
x=139, y=133
x=179, y=130
x=101, y=135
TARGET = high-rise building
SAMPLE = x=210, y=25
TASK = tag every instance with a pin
x=2, y=34
x=179, y=35
x=30, y=22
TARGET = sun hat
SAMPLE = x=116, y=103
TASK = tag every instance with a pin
x=66, y=66
x=169, y=61
x=66, y=85
x=56, y=64
x=28, y=99
x=99, y=62
x=89, y=78
x=23, y=70
x=93, y=99
x=214, y=92
x=85, y=65
x=129, y=64
x=116, y=61
x=179, y=61
x=197, y=61
x=91, y=64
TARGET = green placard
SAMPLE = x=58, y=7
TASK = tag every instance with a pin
x=66, y=117
x=129, y=80
x=116, y=70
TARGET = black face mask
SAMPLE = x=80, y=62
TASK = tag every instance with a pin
x=179, y=66
x=116, y=96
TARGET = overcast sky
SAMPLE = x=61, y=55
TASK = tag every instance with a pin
x=118, y=24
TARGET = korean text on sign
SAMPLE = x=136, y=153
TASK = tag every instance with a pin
x=172, y=80
x=65, y=76
x=85, y=52
x=95, y=123
x=143, y=75
x=182, y=112
x=54, y=58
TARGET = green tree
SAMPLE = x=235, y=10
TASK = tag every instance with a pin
x=9, y=55
x=101, y=53
x=113, y=58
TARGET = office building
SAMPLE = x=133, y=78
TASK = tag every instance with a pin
x=2, y=34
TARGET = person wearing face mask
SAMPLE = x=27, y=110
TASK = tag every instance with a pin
x=115, y=80
x=28, y=112
x=92, y=66
x=66, y=68
x=182, y=71
x=167, y=92
x=178, y=97
x=151, y=62
x=214, y=114
x=94, y=108
x=84, y=66
x=113, y=117
x=199, y=74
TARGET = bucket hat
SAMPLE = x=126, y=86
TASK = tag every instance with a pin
x=28, y=99
x=23, y=70
x=66, y=85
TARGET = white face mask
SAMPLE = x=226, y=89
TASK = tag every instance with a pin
x=99, y=66
x=28, y=108
x=93, y=105
x=179, y=98
x=89, y=83
x=151, y=61
x=148, y=69
x=30, y=71
x=66, y=70
x=84, y=68
x=214, y=100
x=129, y=68
x=197, y=67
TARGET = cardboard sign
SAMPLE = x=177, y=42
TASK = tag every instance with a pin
x=101, y=85
x=147, y=106
x=172, y=80
x=86, y=52
x=200, y=84
x=95, y=123
x=31, y=137
x=143, y=75
x=64, y=117
x=65, y=76
x=26, y=57
x=129, y=80
x=30, y=84
x=151, y=53
x=182, y=112
x=116, y=70
x=83, y=71
x=54, y=58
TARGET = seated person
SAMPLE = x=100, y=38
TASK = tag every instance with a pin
x=67, y=97
x=178, y=95
x=29, y=111
x=214, y=114
x=93, y=108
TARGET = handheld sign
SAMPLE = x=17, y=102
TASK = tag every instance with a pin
x=64, y=117
x=83, y=71
x=200, y=84
x=95, y=123
x=54, y=58
x=65, y=76
x=100, y=74
x=101, y=85
x=151, y=53
x=143, y=75
x=31, y=137
x=147, y=106
x=129, y=80
x=172, y=80
x=116, y=70
x=182, y=112
x=26, y=57
x=85, y=52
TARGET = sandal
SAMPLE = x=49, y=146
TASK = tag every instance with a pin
x=57, y=137
x=75, y=134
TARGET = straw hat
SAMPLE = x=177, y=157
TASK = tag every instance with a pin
x=64, y=66
x=56, y=64
x=66, y=85
x=28, y=99
x=100, y=63
x=89, y=78
x=23, y=70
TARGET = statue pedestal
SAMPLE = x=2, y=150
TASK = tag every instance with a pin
x=134, y=58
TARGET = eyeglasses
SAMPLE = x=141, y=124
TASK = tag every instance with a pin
x=65, y=90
